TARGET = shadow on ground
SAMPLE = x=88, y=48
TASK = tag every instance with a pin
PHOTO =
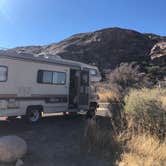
x=53, y=141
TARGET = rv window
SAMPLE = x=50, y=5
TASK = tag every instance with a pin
x=47, y=77
x=3, y=73
x=59, y=78
x=51, y=77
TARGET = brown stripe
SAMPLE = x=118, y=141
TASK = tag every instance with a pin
x=2, y=96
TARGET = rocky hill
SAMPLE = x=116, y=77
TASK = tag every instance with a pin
x=106, y=48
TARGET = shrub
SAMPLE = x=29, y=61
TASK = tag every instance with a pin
x=145, y=111
x=144, y=150
x=155, y=72
x=127, y=76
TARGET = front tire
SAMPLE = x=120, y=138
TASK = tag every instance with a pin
x=33, y=115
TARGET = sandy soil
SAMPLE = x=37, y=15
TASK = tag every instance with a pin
x=54, y=141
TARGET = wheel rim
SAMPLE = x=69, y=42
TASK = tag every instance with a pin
x=34, y=115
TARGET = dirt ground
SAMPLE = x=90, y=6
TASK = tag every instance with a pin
x=54, y=141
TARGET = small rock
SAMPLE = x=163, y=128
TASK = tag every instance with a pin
x=12, y=148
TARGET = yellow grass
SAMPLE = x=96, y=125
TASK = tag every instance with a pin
x=106, y=95
x=163, y=100
x=144, y=151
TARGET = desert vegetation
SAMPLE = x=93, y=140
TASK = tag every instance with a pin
x=146, y=112
x=144, y=150
x=135, y=131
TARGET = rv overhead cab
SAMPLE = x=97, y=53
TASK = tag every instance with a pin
x=31, y=86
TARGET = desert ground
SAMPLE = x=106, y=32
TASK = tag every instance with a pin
x=54, y=141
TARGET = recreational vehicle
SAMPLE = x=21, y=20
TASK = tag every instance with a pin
x=31, y=86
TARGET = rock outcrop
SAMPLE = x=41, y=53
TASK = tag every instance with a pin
x=158, y=53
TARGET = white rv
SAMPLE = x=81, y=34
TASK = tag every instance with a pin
x=32, y=86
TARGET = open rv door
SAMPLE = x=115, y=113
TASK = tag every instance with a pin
x=84, y=89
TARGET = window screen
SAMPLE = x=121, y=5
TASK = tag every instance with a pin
x=3, y=73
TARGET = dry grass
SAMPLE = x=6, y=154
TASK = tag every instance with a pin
x=146, y=112
x=144, y=150
x=163, y=100
x=99, y=140
x=106, y=95
x=140, y=150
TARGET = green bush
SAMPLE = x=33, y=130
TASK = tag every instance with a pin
x=145, y=111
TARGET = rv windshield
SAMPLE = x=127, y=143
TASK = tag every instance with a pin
x=93, y=72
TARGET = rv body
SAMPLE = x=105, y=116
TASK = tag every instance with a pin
x=45, y=85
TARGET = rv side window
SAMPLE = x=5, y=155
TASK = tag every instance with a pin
x=3, y=73
x=47, y=77
x=51, y=77
x=59, y=78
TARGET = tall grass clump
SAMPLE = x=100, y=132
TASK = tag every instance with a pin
x=146, y=112
x=100, y=140
x=105, y=96
x=144, y=150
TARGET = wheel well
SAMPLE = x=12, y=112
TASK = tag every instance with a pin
x=38, y=107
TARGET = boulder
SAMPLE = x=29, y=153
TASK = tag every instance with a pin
x=12, y=148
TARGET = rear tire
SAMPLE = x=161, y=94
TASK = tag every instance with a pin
x=33, y=115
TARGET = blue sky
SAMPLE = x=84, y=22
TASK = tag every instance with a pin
x=40, y=22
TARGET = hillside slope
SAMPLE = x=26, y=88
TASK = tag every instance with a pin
x=106, y=48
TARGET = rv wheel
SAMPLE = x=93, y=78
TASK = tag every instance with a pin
x=33, y=115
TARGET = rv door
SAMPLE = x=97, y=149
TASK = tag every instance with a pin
x=84, y=90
